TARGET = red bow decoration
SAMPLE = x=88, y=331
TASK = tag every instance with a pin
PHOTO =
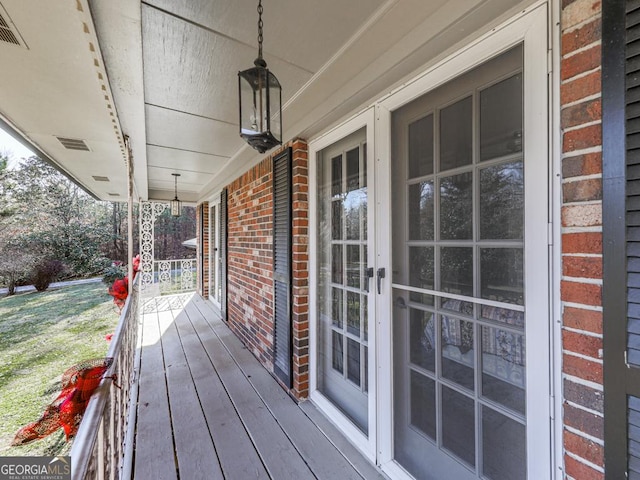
x=119, y=291
x=78, y=384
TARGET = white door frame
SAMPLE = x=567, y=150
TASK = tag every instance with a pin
x=367, y=444
x=214, y=249
x=530, y=27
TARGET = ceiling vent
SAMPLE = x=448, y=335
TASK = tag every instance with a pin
x=98, y=178
x=8, y=34
x=113, y=194
x=73, y=144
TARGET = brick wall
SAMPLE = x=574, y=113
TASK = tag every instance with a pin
x=581, y=287
x=250, y=263
x=202, y=227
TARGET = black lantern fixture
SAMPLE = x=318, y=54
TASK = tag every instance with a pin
x=260, y=97
x=176, y=205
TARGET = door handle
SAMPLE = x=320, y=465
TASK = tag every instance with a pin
x=381, y=273
x=369, y=273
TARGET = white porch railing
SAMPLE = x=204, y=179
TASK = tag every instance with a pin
x=98, y=447
x=175, y=276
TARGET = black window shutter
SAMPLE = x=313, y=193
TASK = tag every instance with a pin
x=223, y=254
x=282, y=266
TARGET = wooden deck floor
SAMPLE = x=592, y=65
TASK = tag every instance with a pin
x=208, y=410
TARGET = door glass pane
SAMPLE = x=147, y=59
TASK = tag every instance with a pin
x=336, y=219
x=457, y=351
x=353, y=266
x=456, y=270
x=353, y=361
x=456, y=207
x=502, y=201
x=501, y=274
x=503, y=368
x=421, y=211
x=456, y=135
x=504, y=447
x=336, y=176
x=421, y=147
x=338, y=352
x=353, y=313
x=501, y=118
x=421, y=273
x=458, y=421
x=423, y=404
x=422, y=339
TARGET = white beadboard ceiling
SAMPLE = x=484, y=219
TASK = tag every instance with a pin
x=164, y=73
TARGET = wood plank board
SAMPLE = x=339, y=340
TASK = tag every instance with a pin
x=279, y=455
x=226, y=428
x=196, y=455
x=154, y=455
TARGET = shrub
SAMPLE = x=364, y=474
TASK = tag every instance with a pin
x=112, y=273
x=46, y=272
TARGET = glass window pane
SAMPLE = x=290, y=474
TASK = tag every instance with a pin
x=502, y=201
x=353, y=361
x=353, y=313
x=336, y=264
x=456, y=135
x=502, y=315
x=421, y=147
x=353, y=266
x=457, y=351
x=422, y=339
x=337, y=352
x=456, y=207
x=501, y=118
x=458, y=425
x=336, y=175
x=336, y=220
x=365, y=317
x=504, y=455
x=456, y=270
x=501, y=275
x=354, y=204
x=336, y=307
x=421, y=273
x=503, y=368
x=423, y=404
x=366, y=369
x=420, y=209
x=353, y=169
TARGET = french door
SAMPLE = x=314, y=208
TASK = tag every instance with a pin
x=214, y=253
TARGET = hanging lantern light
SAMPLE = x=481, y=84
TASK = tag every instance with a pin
x=176, y=205
x=260, y=100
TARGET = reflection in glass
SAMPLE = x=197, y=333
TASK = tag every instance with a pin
x=423, y=404
x=336, y=176
x=455, y=135
x=458, y=425
x=456, y=270
x=353, y=169
x=456, y=207
x=365, y=317
x=503, y=368
x=336, y=220
x=353, y=266
x=365, y=359
x=457, y=351
x=353, y=361
x=502, y=201
x=353, y=313
x=354, y=205
x=501, y=275
x=421, y=147
x=504, y=454
x=502, y=315
x=336, y=264
x=337, y=356
x=501, y=118
x=336, y=307
x=422, y=339
x=420, y=209
x=421, y=273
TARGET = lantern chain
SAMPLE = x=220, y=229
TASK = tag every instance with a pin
x=260, y=28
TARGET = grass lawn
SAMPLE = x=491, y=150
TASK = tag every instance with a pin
x=41, y=335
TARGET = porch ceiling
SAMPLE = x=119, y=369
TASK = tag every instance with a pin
x=167, y=69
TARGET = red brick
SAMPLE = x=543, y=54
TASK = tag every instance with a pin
x=580, y=471
x=584, y=293
x=580, y=62
x=582, y=368
x=582, y=138
x=579, y=319
x=584, y=448
x=579, y=165
x=582, y=87
x=582, y=344
x=585, y=112
x=584, y=421
x=583, y=267
x=586, y=242
x=582, y=190
x=581, y=37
